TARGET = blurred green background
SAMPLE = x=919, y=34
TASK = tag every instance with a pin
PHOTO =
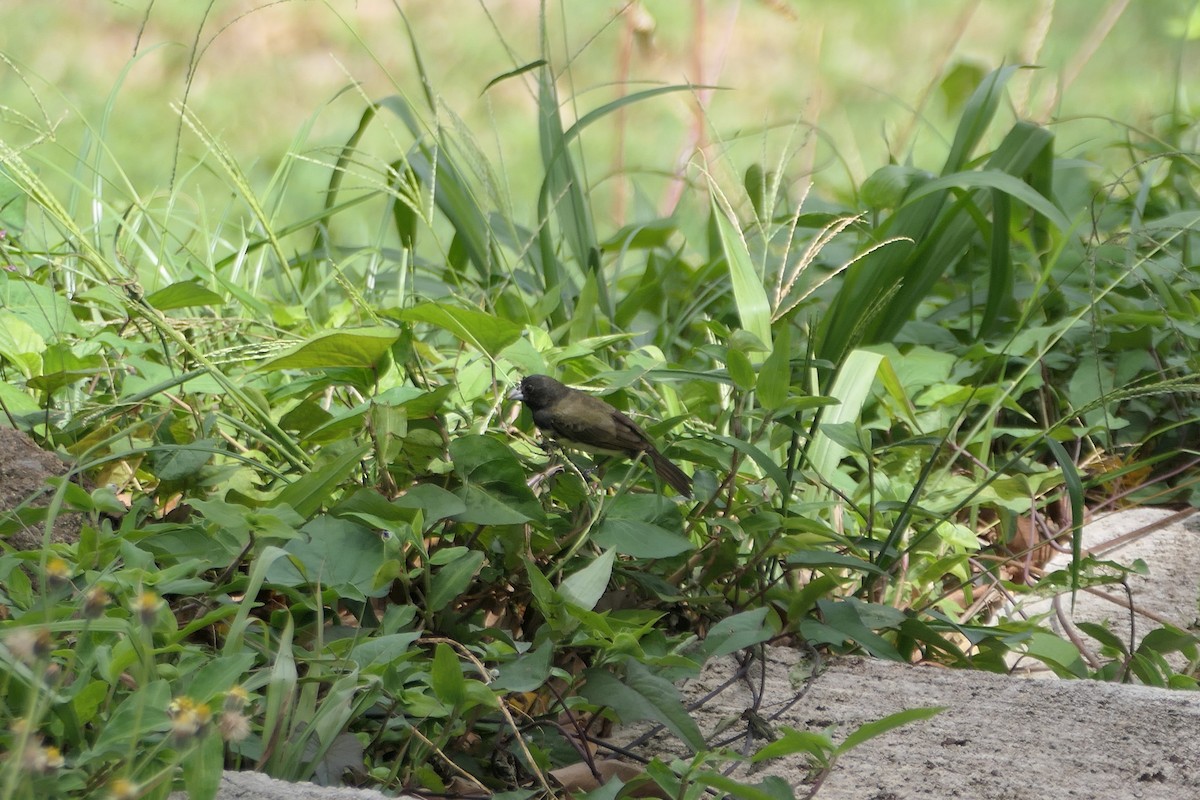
x=840, y=87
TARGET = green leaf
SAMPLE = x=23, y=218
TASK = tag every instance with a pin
x=771, y=787
x=585, y=587
x=737, y=633
x=335, y=553
x=826, y=558
x=446, y=676
x=642, y=695
x=1103, y=635
x=219, y=676
x=142, y=712
x=357, y=347
x=887, y=186
x=775, y=378
x=46, y=311
x=20, y=345
x=639, y=539
x=485, y=332
x=494, y=490
x=202, y=768
x=1074, y=486
x=433, y=501
x=853, y=620
x=870, y=730
x=976, y=117
x=384, y=650
x=527, y=672
x=852, y=387
x=749, y=296
x=310, y=491
x=1166, y=639
x=1060, y=655
x=182, y=295
x=817, y=745
x=453, y=579
x=180, y=462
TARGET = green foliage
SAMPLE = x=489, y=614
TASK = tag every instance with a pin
x=344, y=550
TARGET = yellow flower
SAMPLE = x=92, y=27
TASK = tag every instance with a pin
x=58, y=573
x=146, y=607
x=123, y=789
x=188, y=718
x=236, y=699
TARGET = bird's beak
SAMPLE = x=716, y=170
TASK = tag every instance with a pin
x=515, y=394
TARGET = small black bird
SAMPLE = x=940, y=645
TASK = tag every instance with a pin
x=588, y=423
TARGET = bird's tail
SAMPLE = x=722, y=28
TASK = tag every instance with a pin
x=670, y=473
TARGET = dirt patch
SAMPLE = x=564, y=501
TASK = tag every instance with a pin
x=24, y=470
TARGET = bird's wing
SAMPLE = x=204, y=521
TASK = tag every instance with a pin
x=594, y=424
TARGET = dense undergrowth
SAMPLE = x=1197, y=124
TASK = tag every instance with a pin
x=317, y=537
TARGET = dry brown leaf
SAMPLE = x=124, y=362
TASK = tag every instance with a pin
x=578, y=777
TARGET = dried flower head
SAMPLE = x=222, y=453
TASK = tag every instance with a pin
x=234, y=726
x=95, y=601
x=29, y=645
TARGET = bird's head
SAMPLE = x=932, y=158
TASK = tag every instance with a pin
x=538, y=391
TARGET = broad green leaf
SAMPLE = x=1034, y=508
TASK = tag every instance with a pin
x=180, y=462
x=446, y=676
x=887, y=186
x=772, y=787
x=218, y=676
x=642, y=695
x=139, y=714
x=1057, y=653
x=585, y=587
x=529, y=671
x=20, y=344
x=434, y=502
x=357, y=347
x=494, y=490
x=640, y=539
x=738, y=632
x=484, y=507
x=310, y=491
x=485, y=332
x=62, y=367
x=203, y=767
x=46, y=311
x=333, y=553
x=182, y=295
x=383, y=650
x=453, y=579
